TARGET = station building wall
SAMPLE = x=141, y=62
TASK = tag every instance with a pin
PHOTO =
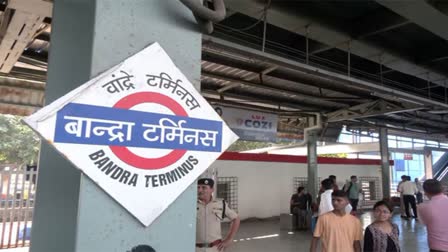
x=266, y=182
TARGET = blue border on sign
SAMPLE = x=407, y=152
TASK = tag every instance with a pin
x=97, y=125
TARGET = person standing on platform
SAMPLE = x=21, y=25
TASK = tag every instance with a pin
x=382, y=235
x=402, y=210
x=420, y=191
x=353, y=189
x=434, y=215
x=210, y=213
x=335, y=184
x=325, y=204
x=408, y=189
x=325, y=201
x=338, y=230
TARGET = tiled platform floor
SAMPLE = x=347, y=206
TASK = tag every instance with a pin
x=266, y=236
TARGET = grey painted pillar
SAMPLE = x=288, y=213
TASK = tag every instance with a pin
x=312, y=164
x=428, y=163
x=385, y=165
x=88, y=37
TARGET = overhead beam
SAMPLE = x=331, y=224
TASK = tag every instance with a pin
x=421, y=13
x=322, y=75
x=330, y=149
x=375, y=108
x=365, y=34
x=263, y=102
x=23, y=20
x=285, y=93
x=37, y=7
x=270, y=59
x=293, y=21
x=240, y=105
x=262, y=73
x=411, y=123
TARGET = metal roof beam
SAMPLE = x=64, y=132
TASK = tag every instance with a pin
x=219, y=59
x=365, y=34
x=319, y=74
x=243, y=99
x=23, y=23
x=262, y=73
x=421, y=13
x=285, y=93
x=290, y=20
x=375, y=108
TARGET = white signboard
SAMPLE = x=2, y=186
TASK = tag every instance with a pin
x=250, y=125
x=139, y=130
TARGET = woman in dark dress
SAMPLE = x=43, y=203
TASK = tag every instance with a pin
x=382, y=234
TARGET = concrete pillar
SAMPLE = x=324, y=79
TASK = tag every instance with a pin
x=312, y=164
x=88, y=37
x=385, y=165
x=428, y=163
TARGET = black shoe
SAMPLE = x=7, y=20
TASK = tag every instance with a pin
x=406, y=218
x=402, y=216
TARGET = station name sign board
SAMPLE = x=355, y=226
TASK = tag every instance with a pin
x=140, y=131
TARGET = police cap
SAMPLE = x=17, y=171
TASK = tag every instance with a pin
x=206, y=181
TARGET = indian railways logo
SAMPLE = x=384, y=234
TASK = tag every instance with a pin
x=119, y=127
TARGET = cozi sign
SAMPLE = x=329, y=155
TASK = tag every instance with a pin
x=256, y=122
x=250, y=125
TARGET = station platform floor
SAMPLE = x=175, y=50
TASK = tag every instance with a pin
x=266, y=236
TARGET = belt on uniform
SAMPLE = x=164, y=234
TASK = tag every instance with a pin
x=208, y=245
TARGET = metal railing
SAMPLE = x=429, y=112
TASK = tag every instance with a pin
x=17, y=187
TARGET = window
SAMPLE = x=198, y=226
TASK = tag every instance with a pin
x=419, y=143
x=372, y=192
x=443, y=145
x=404, y=143
x=392, y=143
x=303, y=181
x=432, y=143
x=345, y=138
x=227, y=189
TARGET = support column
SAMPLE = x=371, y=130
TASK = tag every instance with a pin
x=385, y=165
x=428, y=163
x=89, y=36
x=312, y=164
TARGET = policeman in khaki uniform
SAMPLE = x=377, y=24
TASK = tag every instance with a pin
x=208, y=221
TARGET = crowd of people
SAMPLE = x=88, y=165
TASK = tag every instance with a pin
x=339, y=231
x=335, y=224
x=302, y=205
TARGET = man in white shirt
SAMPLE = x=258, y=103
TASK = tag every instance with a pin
x=325, y=204
x=420, y=191
x=408, y=189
